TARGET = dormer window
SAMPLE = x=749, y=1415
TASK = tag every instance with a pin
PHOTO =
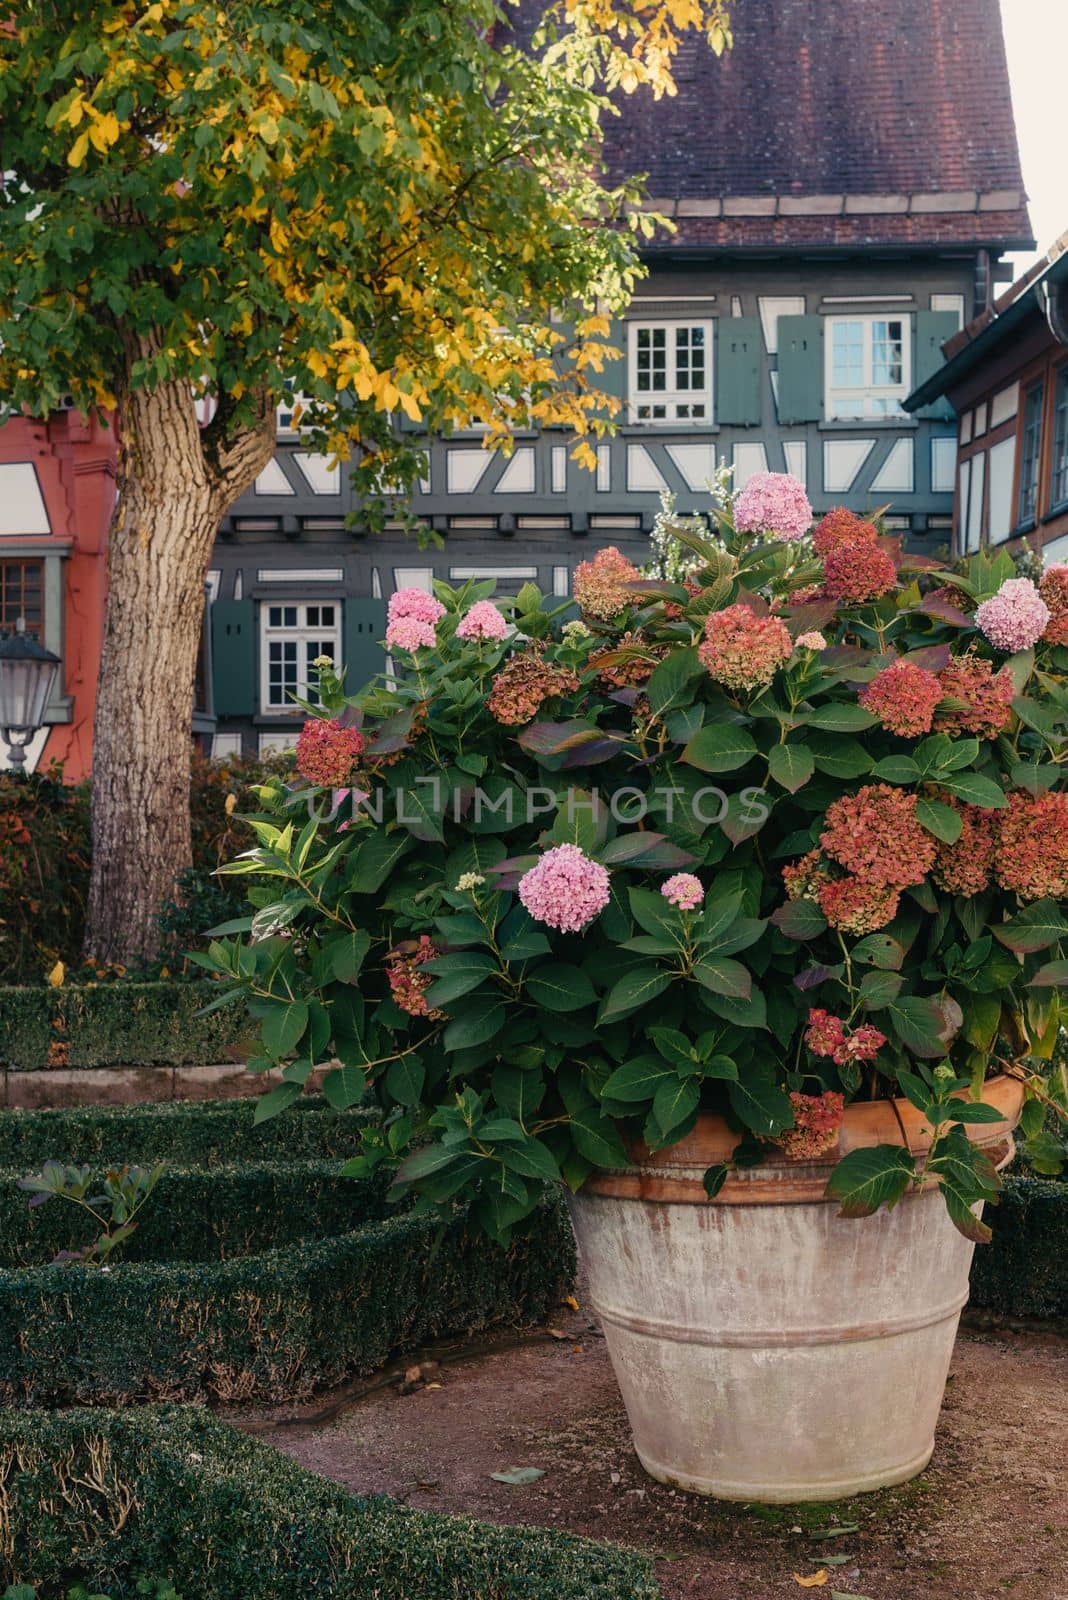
x=868, y=366
x=670, y=365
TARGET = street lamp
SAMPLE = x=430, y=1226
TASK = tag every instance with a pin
x=27, y=678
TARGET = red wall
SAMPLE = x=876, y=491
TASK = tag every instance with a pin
x=75, y=464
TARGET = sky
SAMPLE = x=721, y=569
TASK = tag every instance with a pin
x=1036, y=39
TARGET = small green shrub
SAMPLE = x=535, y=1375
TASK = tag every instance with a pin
x=185, y=1133
x=173, y=1492
x=1023, y=1272
x=203, y=1215
x=114, y=1024
x=274, y=1325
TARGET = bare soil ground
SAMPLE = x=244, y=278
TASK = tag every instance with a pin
x=989, y=1518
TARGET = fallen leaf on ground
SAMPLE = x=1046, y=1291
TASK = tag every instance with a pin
x=837, y=1561
x=833, y=1533
x=839, y=1594
x=557, y=1333
x=519, y=1475
x=816, y=1581
x=569, y=1300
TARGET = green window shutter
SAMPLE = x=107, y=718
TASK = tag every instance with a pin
x=800, y=369
x=613, y=380
x=233, y=657
x=739, y=347
x=933, y=328
x=364, y=626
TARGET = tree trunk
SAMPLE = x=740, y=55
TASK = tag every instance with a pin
x=174, y=486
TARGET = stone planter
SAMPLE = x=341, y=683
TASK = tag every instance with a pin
x=765, y=1348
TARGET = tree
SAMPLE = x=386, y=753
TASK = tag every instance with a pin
x=377, y=202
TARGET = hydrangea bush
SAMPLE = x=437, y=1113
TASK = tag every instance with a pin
x=786, y=834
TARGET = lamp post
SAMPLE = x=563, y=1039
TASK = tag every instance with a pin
x=27, y=678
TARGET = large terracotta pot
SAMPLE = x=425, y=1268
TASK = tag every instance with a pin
x=765, y=1348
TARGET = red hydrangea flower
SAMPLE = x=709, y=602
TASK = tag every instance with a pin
x=407, y=983
x=858, y=573
x=840, y=530
x=742, y=650
x=1032, y=849
x=874, y=834
x=964, y=867
x=831, y=1037
x=327, y=752
x=985, y=697
x=805, y=878
x=903, y=697
x=856, y=906
x=601, y=586
x=1054, y=591
x=817, y=1120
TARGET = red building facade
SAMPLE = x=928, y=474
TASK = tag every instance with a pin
x=57, y=491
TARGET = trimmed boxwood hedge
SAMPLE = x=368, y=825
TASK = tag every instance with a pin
x=103, y=1497
x=1023, y=1272
x=199, y=1215
x=201, y=1133
x=114, y=1024
x=275, y=1325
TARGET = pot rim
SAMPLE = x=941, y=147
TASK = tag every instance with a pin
x=675, y=1175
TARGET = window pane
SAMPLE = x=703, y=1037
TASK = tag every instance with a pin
x=847, y=358
x=1059, y=481
x=289, y=616
x=887, y=354
x=21, y=596
x=274, y=616
x=1032, y=436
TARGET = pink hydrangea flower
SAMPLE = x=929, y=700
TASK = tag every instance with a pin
x=775, y=503
x=566, y=890
x=684, y=891
x=410, y=633
x=483, y=621
x=1016, y=617
x=811, y=641
x=414, y=603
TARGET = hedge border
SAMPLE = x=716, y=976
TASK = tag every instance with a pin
x=276, y=1325
x=113, y=1024
x=174, y=1493
x=201, y=1215
x=188, y=1132
x=1023, y=1272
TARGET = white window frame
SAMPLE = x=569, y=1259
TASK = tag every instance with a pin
x=874, y=400
x=327, y=639
x=671, y=398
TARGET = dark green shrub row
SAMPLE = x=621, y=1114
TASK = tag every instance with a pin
x=113, y=1024
x=199, y=1215
x=1023, y=1272
x=274, y=1325
x=172, y=1492
x=188, y=1133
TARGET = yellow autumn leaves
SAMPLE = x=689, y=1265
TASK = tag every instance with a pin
x=101, y=130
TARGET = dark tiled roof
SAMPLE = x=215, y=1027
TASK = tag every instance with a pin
x=829, y=102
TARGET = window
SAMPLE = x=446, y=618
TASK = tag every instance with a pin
x=292, y=635
x=671, y=372
x=22, y=597
x=1058, y=483
x=1030, y=445
x=868, y=361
